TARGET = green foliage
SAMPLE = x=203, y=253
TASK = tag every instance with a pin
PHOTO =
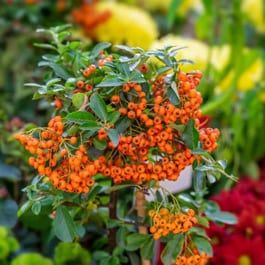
x=31, y=259
x=66, y=253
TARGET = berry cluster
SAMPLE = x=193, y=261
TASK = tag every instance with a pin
x=165, y=222
x=71, y=171
x=196, y=259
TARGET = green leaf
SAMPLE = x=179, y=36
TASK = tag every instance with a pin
x=172, y=249
x=60, y=70
x=100, y=255
x=111, y=82
x=114, y=136
x=198, y=231
x=64, y=225
x=36, y=207
x=119, y=187
x=147, y=248
x=52, y=82
x=78, y=100
x=125, y=48
x=172, y=96
x=175, y=89
x=8, y=210
x=222, y=216
x=93, y=192
x=191, y=135
x=45, y=46
x=80, y=117
x=99, y=47
x=25, y=207
x=202, y=221
x=91, y=126
x=98, y=105
x=134, y=258
x=9, y=172
x=113, y=117
x=123, y=124
x=203, y=245
x=135, y=241
x=100, y=144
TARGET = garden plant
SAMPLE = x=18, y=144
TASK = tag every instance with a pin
x=124, y=119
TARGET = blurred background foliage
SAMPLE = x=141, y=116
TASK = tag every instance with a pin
x=224, y=39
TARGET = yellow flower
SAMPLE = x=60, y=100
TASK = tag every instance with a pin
x=163, y=5
x=247, y=79
x=193, y=50
x=126, y=25
x=219, y=57
x=251, y=76
x=254, y=11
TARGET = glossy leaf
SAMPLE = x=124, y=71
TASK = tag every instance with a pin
x=78, y=100
x=203, y=245
x=114, y=136
x=100, y=144
x=90, y=125
x=135, y=241
x=172, y=249
x=191, y=135
x=64, y=225
x=147, y=249
x=36, y=207
x=80, y=117
x=98, y=105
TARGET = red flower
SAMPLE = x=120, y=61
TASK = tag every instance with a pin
x=240, y=251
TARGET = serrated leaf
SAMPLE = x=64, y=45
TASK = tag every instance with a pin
x=64, y=225
x=172, y=249
x=190, y=135
x=78, y=100
x=114, y=136
x=80, y=117
x=98, y=105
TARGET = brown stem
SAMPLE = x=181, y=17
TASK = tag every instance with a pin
x=140, y=206
x=112, y=216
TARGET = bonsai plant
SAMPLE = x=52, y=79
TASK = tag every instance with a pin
x=124, y=119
